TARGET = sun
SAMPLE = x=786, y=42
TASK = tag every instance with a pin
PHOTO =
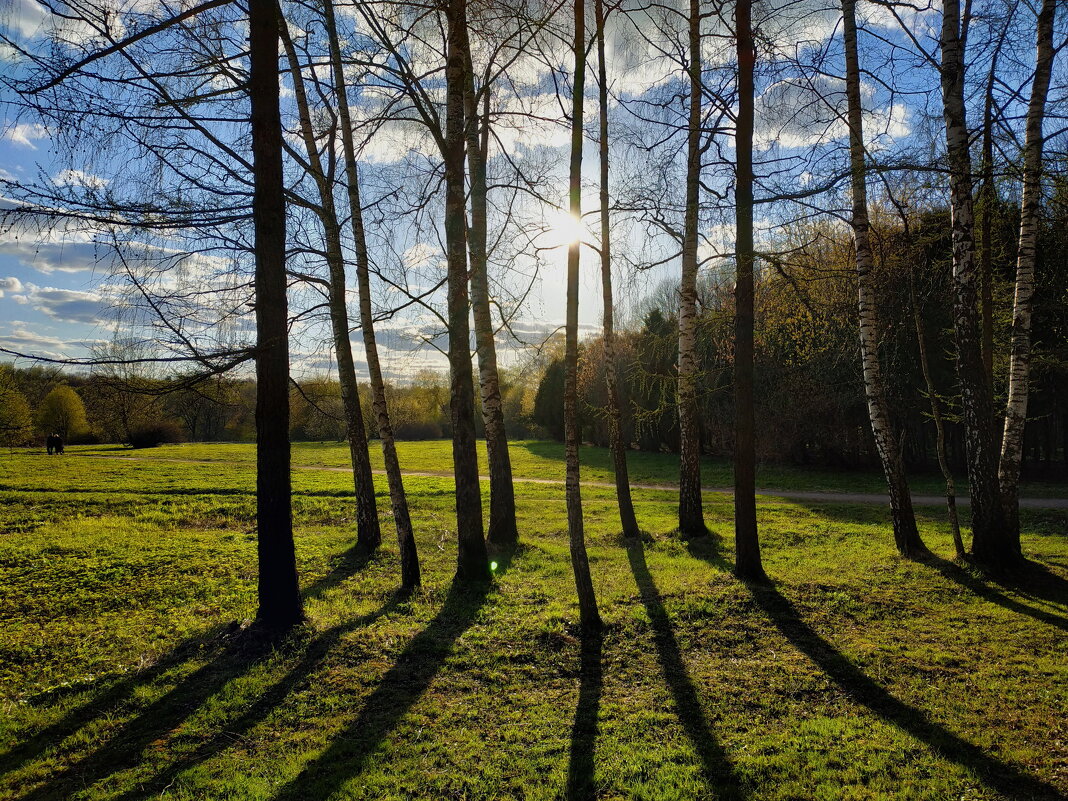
x=565, y=229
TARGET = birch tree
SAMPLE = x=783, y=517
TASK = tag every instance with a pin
x=502, y=523
x=1030, y=211
x=906, y=536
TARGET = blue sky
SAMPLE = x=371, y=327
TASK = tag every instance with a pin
x=59, y=297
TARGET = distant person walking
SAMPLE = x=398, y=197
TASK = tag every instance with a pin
x=54, y=443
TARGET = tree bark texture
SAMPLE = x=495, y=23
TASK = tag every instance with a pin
x=589, y=617
x=627, y=519
x=990, y=545
x=472, y=562
x=368, y=531
x=906, y=536
x=278, y=591
x=502, y=523
x=747, y=543
x=691, y=514
x=409, y=556
x=1030, y=211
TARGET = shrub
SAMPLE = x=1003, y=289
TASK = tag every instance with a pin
x=153, y=434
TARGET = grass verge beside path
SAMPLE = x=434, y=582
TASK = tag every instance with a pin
x=124, y=676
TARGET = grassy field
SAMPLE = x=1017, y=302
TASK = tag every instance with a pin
x=125, y=672
x=545, y=460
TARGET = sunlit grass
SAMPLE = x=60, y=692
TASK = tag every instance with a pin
x=861, y=676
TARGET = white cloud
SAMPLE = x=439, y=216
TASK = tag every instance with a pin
x=71, y=177
x=26, y=133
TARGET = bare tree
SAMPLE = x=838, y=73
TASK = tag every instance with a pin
x=368, y=531
x=691, y=513
x=615, y=414
x=990, y=543
x=906, y=536
x=279, y=594
x=410, y=573
x=472, y=560
x=747, y=543
x=1030, y=210
x=502, y=523
x=589, y=617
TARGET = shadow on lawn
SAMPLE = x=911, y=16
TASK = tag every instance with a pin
x=718, y=770
x=1033, y=580
x=400, y=688
x=234, y=651
x=999, y=776
x=580, y=768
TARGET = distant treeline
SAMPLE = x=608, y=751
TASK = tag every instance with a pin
x=810, y=399
x=136, y=410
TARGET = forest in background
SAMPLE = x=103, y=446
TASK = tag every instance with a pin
x=810, y=405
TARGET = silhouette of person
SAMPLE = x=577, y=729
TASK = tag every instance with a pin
x=50, y=443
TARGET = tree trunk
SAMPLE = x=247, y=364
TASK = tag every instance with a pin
x=627, y=519
x=1030, y=209
x=502, y=525
x=906, y=536
x=279, y=594
x=691, y=514
x=747, y=543
x=987, y=199
x=472, y=562
x=936, y=415
x=589, y=617
x=368, y=532
x=409, y=556
x=990, y=545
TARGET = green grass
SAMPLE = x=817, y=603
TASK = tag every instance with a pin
x=124, y=672
x=545, y=460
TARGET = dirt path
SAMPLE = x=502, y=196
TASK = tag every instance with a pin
x=793, y=495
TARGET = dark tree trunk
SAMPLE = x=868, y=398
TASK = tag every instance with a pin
x=990, y=545
x=747, y=543
x=691, y=513
x=615, y=414
x=472, y=562
x=589, y=617
x=409, y=556
x=279, y=594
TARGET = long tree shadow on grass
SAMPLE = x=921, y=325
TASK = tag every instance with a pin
x=400, y=688
x=1003, y=778
x=1032, y=580
x=312, y=658
x=580, y=768
x=718, y=771
x=232, y=654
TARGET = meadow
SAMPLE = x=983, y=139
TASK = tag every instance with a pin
x=127, y=670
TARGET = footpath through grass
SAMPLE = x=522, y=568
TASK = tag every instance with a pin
x=545, y=460
x=124, y=673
